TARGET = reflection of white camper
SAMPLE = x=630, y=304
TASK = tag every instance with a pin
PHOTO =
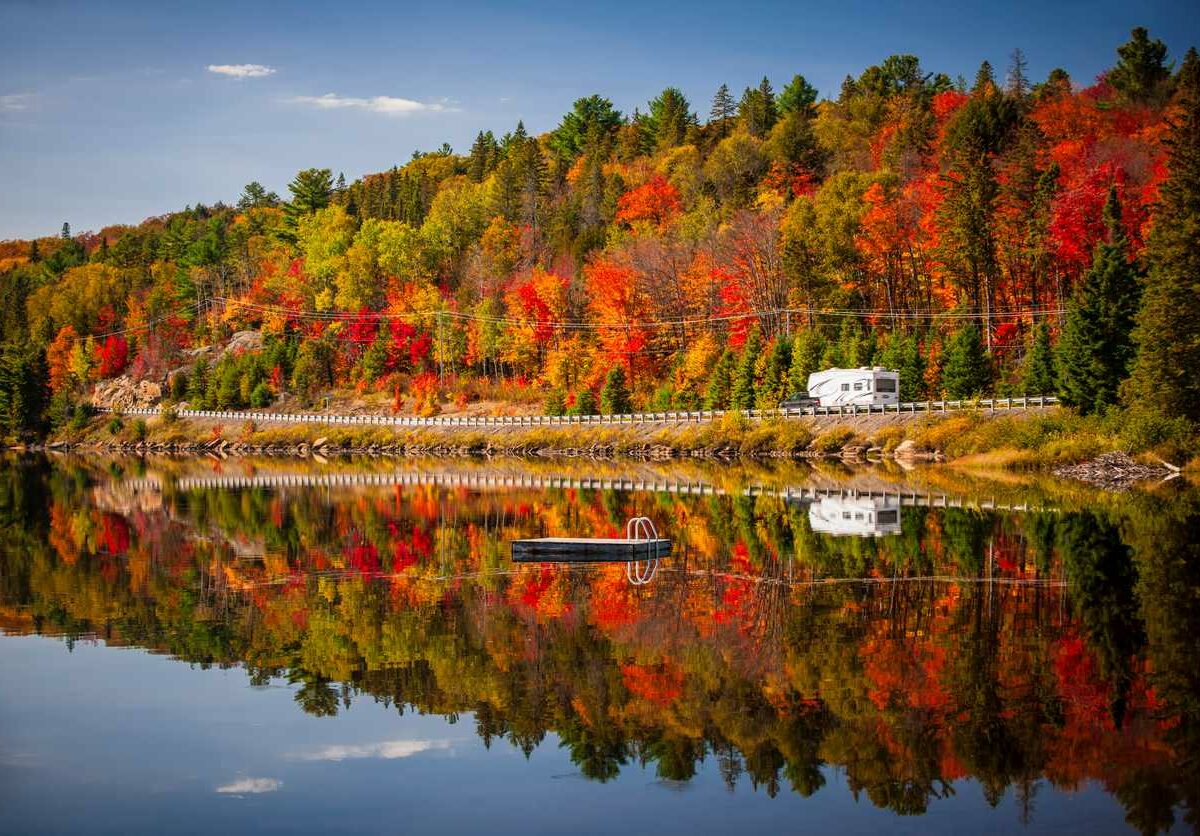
x=844, y=516
x=865, y=386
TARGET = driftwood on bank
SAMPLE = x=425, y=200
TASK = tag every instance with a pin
x=1115, y=471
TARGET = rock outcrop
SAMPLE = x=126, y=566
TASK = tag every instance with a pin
x=123, y=393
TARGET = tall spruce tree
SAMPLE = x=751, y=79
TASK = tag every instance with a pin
x=724, y=108
x=614, y=398
x=1141, y=73
x=720, y=384
x=1039, y=377
x=772, y=389
x=966, y=370
x=807, y=348
x=1165, y=375
x=903, y=354
x=669, y=118
x=312, y=189
x=766, y=96
x=1096, y=351
x=798, y=97
x=744, y=380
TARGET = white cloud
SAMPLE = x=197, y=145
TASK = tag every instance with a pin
x=15, y=102
x=387, y=750
x=241, y=71
x=387, y=105
x=251, y=786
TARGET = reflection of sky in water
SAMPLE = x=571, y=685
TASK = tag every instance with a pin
x=120, y=741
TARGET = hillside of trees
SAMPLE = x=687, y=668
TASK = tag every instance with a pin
x=993, y=235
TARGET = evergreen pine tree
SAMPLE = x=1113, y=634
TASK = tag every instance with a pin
x=766, y=98
x=669, y=119
x=1165, y=375
x=1096, y=350
x=720, y=384
x=903, y=354
x=1039, y=376
x=1018, y=75
x=966, y=371
x=1141, y=73
x=66, y=231
x=724, y=108
x=798, y=97
x=585, y=403
x=555, y=403
x=312, y=189
x=614, y=398
x=985, y=79
x=773, y=387
x=743, y=381
x=375, y=358
x=807, y=348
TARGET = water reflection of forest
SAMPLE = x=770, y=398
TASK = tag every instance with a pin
x=1062, y=651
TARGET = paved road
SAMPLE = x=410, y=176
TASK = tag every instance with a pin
x=696, y=417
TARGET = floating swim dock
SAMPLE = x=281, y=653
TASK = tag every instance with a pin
x=641, y=542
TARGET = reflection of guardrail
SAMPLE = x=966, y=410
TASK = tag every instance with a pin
x=481, y=481
x=695, y=417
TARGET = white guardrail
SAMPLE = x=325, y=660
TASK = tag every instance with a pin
x=700, y=416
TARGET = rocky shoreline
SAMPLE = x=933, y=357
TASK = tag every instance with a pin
x=1116, y=471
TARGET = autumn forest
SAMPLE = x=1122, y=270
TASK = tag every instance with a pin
x=989, y=235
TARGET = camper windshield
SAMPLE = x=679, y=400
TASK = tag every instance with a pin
x=885, y=384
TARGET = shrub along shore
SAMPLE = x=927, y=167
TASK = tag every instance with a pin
x=1027, y=441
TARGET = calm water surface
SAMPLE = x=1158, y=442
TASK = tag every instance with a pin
x=282, y=646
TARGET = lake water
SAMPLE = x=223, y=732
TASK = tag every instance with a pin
x=189, y=646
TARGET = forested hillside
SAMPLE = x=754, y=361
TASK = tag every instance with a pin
x=996, y=234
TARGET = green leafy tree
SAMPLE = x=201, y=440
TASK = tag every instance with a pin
x=614, y=397
x=261, y=395
x=967, y=370
x=1165, y=376
x=1096, y=350
x=794, y=141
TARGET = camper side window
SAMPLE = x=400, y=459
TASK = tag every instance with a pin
x=845, y=387
x=858, y=386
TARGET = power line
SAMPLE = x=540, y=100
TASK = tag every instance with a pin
x=347, y=316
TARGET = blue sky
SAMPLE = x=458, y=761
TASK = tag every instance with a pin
x=109, y=111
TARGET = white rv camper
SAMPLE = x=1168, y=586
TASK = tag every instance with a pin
x=855, y=516
x=864, y=386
